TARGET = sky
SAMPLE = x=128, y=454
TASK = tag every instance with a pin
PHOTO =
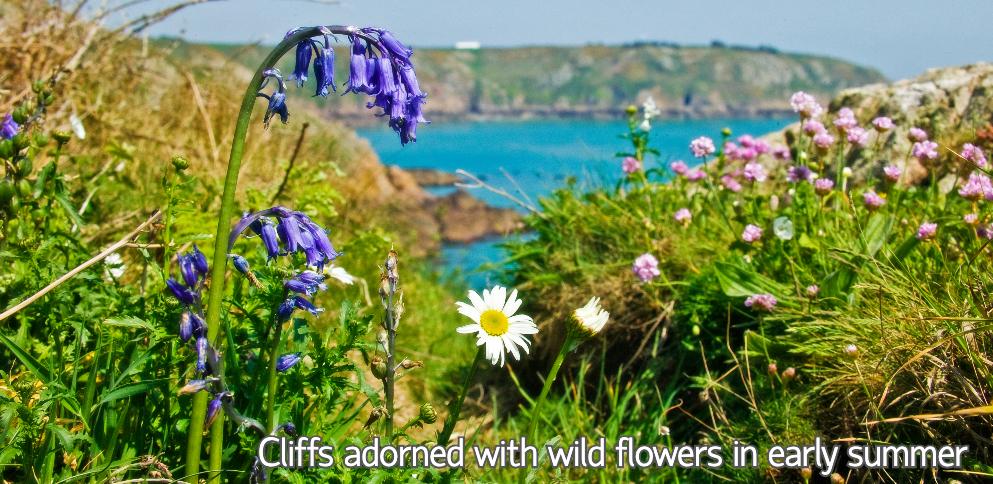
x=900, y=38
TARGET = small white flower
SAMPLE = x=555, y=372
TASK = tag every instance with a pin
x=783, y=228
x=496, y=324
x=115, y=265
x=339, y=273
x=77, y=126
x=846, y=172
x=591, y=317
x=645, y=125
x=650, y=109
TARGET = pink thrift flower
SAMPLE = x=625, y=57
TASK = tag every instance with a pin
x=873, y=200
x=702, y=146
x=746, y=140
x=974, y=154
x=813, y=126
x=925, y=150
x=646, y=267
x=762, y=302
x=926, y=231
x=805, y=105
x=747, y=154
x=858, y=136
x=845, y=120
x=970, y=218
x=781, y=152
x=730, y=183
x=751, y=234
x=754, y=172
x=679, y=167
x=978, y=186
x=813, y=290
x=823, y=140
x=985, y=232
x=892, y=173
x=823, y=186
x=630, y=165
x=917, y=134
x=882, y=124
x=683, y=215
x=695, y=175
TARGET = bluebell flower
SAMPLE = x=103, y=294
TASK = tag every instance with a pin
x=324, y=69
x=287, y=361
x=9, y=128
x=214, y=408
x=277, y=100
x=240, y=263
x=285, y=310
x=395, y=47
x=289, y=232
x=288, y=427
x=358, y=79
x=269, y=238
x=188, y=269
x=200, y=261
x=306, y=282
x=303, y=303
x=194, y=386
x=302, y=65
x=183, y=294
x=294, y=229
x=409, y=79
x=185, y=326
x=384, y=76
x=202, y=348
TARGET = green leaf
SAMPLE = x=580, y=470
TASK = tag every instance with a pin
x=29, y=361
x=739, y=281
x=129, y=322
x=70, y=210
x=131, y=390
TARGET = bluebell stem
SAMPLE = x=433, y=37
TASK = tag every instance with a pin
x=287, y=361
x=9, y=128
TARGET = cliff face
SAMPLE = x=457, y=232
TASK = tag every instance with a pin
x=600, y=80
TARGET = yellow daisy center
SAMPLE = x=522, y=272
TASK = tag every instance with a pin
x=494, y=322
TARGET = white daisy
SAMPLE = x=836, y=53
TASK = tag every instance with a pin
x=495, y=323
x=591, y=317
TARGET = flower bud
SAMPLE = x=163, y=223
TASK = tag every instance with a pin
x=837, y=479
x=851, y=350
x=180, y=163
x=427, y=414
x=378, y=366
x=631, y=110
x=411, y=364
x=726, y=132
x=62, y=137
x=806, y=473
x=773, y=369
x=789, y=374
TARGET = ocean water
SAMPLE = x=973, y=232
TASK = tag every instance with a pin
x=536, y=157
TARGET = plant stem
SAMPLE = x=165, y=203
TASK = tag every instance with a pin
x=549, y=380
x=456, y=406
x=270, y=409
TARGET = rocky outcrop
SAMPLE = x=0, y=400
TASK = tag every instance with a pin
x=953, y=105
x=427, y=177
x=464, y=218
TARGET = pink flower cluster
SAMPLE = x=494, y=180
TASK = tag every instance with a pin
x=646, y=267
x=730, y=183
x=683, y=215
x=927, y=230
x=892, y=173
x=813, y=127
x=805, y=105
x=845, y=120
x=974, y=154
x=630, y=165
x=799, y=173
x=702, y=146
x=858, y=136
x=762, y=302
x=873, y=200
x=679, y=167
x=823, y=140
x=925, y=150
x=751, y=234
x=754, y=172
x=977, y=187
x=917, y=134
x=823, y=186
x=883, y=124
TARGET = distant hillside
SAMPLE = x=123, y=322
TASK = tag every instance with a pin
x=597, y=80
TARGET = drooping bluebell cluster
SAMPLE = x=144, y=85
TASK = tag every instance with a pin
x=284, y=231
x=306, y=282
x=193, y=271
x=380, y=67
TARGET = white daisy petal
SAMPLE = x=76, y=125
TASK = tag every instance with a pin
x=511, y=346
x=499, y=297
x=469, y=328
x=513, y=304
x=477, y=302
x=468, y=311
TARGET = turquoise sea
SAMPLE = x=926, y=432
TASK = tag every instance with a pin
x=539, y=156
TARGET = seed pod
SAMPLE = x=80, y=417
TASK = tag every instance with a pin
x=374, y=415
x=411, y=364
x=378, y=367
x=180, y=163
